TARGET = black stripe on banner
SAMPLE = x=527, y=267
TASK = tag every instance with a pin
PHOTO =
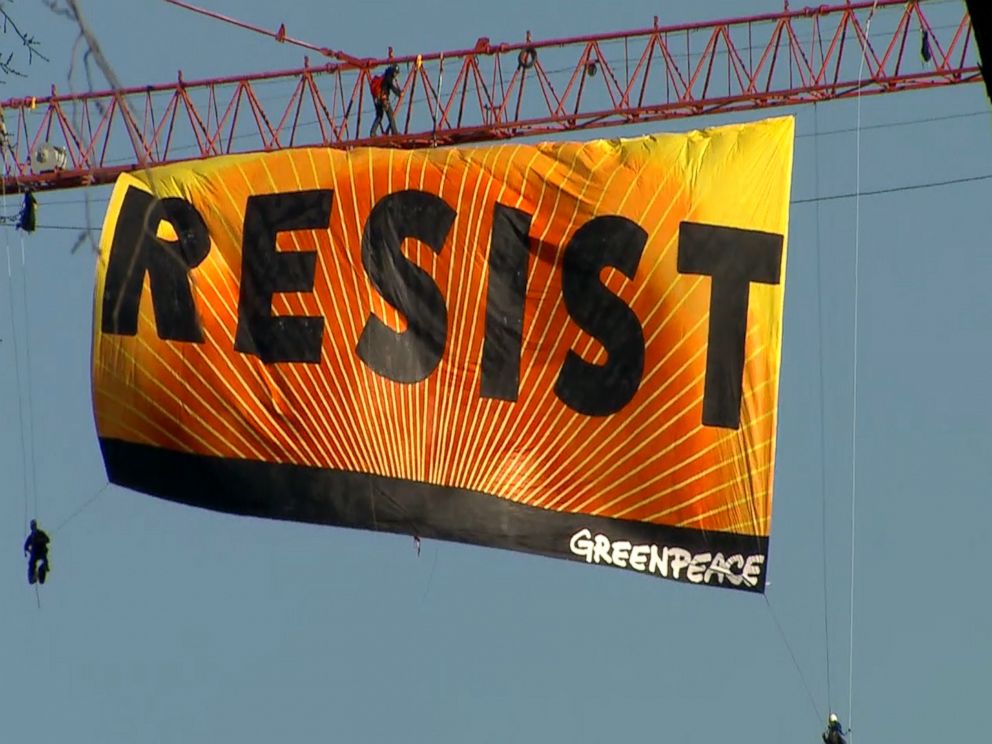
x=373, y=502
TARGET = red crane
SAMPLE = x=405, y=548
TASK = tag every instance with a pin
x=496, y=91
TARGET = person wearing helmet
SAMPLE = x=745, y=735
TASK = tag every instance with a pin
x=381, y=86
x=834, y=733
x=36, y=548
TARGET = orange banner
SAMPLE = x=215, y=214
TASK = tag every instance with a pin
x=588, y=329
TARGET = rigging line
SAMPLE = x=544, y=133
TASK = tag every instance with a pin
x=82, y=508
x=799, y=671
x=809, y=200
x=894, y=189
x=430, y=579
x=440, y=111
x=823, y=448
x=27, y=361
x=885, y=125
x=17, y=369
x=67, y=227
x=854, y=392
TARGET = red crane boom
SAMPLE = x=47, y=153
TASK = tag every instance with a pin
x=497, y=91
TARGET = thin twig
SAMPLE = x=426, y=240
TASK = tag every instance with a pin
x=8, y=65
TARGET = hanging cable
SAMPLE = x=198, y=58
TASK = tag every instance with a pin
x=854, y=413
x=17, y=366
x=806, y=200
x=27, y=359
x=823, y=447
x=82, y=508
x=430, y=578
x=895, y=189
x=795, y=663
x=440, y=110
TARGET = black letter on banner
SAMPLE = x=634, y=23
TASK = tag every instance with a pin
x=266, y=271
x=136, y=250
x=505, y=303
x=412, y=355
x=734, y=258
x=589, y=388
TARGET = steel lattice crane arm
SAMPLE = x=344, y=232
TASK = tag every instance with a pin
x=498, y=91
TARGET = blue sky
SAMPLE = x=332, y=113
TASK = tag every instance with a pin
x=164, y=623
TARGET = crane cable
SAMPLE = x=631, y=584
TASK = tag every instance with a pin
x=771, y=611
x=854, y=393
x=768, y=604
x=79, y=510
x=27, y=360
x=440, y=112
x=27, y=461
x=823, y=448
x=24, y=440
x=823, y=490
x=795, y=661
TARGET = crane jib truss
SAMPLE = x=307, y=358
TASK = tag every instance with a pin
x=496, y=91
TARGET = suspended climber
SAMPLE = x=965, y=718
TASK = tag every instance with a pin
x=26, y=218
x=834, y=733
x=381, y=86
x=36, y=548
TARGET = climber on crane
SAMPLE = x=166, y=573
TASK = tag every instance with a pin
x=381, y=86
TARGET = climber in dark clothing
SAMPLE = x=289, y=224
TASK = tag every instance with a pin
x=36, y=548
x=381, y=86
x=834, y=733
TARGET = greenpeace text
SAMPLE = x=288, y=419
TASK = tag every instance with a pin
x=668, y=562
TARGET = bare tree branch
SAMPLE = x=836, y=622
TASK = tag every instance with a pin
x=9, y=63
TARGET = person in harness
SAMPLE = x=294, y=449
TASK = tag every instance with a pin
x=36, y=548
x=834, y=733
x=381, y=86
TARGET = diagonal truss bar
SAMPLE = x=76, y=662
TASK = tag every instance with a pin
x=498, y=92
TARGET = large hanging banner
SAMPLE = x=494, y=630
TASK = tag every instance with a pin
x=569, y=349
